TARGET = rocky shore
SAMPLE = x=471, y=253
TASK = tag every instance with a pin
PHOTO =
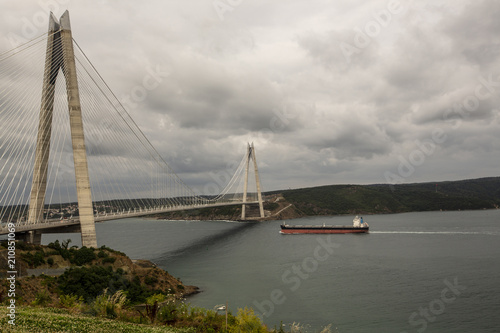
x=39, y=266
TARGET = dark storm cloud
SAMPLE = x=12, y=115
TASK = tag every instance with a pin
x=276, y=74
x=207, y=98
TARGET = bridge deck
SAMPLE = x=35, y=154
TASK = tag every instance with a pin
x=57, y=223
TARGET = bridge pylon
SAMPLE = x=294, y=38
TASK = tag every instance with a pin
x=251, y=156
x=60, y=55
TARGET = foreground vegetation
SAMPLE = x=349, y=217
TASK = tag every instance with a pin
x=87, y=272
x=102, y=290
x=112, y=313
x=41, y=319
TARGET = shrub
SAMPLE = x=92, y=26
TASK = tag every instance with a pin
x=42, y=298
x=247, y=321
x=70, y=301
x=34, y=260
x=21, y=245
x=152, y=306
x=107, y=305
x=167, y=313
x=108, y=260
x=50, y=261
x=83, y=256
x=150, y=280
x=89, y=282
x=63, y=251
x=156, y=298
x=65, y=244
x=137, y=292
x=110, y=250
x=54, y=245
x=47, y=280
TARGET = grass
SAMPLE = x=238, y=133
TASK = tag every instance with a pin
x=38, y=319
x=75, y=302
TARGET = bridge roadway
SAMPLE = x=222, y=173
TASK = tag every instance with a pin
x=61, y=225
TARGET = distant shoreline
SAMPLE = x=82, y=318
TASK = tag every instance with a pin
x=342, y=200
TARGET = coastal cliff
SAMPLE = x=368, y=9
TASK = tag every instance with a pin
x=57, y=269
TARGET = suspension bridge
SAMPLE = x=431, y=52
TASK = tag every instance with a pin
x=71, y=155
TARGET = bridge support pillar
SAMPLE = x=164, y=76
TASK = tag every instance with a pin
x=32, y=237
x=39, y=182
x=60, y=55
x=85, y=208
x=251, y=156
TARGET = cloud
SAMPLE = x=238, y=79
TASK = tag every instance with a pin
x=472, y=32
x=276, y=74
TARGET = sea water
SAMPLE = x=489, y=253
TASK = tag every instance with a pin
x=414, y=272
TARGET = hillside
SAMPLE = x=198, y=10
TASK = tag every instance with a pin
x=57, y=269
x=102, y=290
x=471, y=194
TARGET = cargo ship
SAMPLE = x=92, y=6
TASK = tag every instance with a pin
x=358, y=227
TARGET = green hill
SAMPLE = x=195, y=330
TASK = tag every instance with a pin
x=470, y=194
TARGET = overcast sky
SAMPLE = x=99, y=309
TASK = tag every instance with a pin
x=330, y=92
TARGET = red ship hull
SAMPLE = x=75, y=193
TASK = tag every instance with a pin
x=286, y=229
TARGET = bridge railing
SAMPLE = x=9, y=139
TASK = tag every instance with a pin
x=55, y=223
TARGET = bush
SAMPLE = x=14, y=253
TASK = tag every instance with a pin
x=20, y=245
x=89, y=282
x=136, y=292
x=150, y=280
x=63, y=251
x=247, y=321
x=83, y=256
x=167, y=314
x=107, y=305
x=34, y=260
x=153, y=304
x=110, y=250
x=47, y=280
x=54, y=245
x=70, y=301
x=65, y=244
x=50, y=261
x=108, y=260
x=42, y=298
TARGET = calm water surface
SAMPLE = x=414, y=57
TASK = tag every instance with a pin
x=414, y=272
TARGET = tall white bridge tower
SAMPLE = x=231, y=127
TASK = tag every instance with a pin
x=60, y=55
x=127, y=176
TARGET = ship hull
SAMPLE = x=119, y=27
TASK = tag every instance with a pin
x=286, y=229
